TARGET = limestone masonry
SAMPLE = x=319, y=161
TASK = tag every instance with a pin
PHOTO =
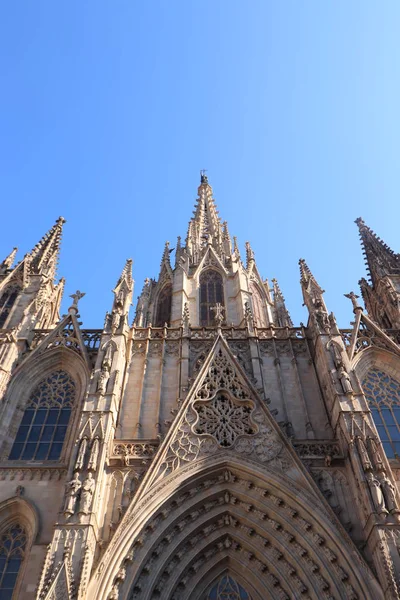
x=210, y=450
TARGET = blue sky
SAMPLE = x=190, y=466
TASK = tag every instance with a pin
x=109, y=110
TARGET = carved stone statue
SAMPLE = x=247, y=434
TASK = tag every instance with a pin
x=336, y=354
x=87, y=494
x=376, y=493
x=321, y=317
x=120, y=298
x=94, y=453
x=72, y=490
x=375, y=454
x=186, y=318
x=389, y=492
x=108, y=356
x=103, y=380
x=248, y=315
x=218, y=311
x=362, y=451
x=345, y=380
x=115, y=321
x=81, y=454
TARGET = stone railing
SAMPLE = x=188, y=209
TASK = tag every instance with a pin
x=128, y=451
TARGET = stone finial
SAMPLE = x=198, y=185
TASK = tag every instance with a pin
x=75, y=297
x=353, y=297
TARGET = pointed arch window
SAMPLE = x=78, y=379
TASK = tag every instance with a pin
x=7, y=301
x=163, y=314
x=258, y=306
x=383, y=394
x=228, y=589
x=12, y=552
x=211, y=293
x=44, y=424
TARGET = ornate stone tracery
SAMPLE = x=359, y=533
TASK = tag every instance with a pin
x=224, y=419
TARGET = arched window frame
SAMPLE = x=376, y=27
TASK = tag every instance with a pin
x=27, y=378
x=383, y=395
x=164, y=298
x=7, y=303
x=42, y=431
x=212, y=299
x=377, y=358
x=17, y=511
x=257, y=305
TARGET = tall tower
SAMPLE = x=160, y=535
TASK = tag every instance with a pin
x=209, y=450
x=382, y=293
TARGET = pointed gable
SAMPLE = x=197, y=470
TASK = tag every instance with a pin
x=222, y=413
x=66, y=334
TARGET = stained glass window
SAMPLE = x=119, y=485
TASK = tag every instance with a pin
x=164, y=306
x=44, y=424
x=211, y=293
x=383, y=395
x=258, y=306
x=12, y=552
x=228, y=589
x=6, y=303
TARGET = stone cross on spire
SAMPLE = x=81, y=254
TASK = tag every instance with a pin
x=75, y=298
x=218, y=311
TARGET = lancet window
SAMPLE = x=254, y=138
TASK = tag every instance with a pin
x=163, y=314
x=383, y=395
x=12, y=552
x=7, y=301
x=228, y=589
x=258, y=306
x=211, y=293
x=44, y=424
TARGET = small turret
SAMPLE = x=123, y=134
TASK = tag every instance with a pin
x=313, y=299
x=122, y=299
x=282, y=314
x=8, y=262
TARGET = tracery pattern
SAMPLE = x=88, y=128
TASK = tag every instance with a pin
x=211, y=292
x=222, y=375
x=258, y=305
x=224, y=419
x=7, y=301
x=383, y=395
x=12, y=552
x=44, y=424
x=164, y=306
x=228, y=589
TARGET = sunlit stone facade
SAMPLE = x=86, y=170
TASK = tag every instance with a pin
x=210, y=449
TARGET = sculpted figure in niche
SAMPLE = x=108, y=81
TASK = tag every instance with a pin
x=115, y=321
x=81, y=454
x=345, y=380
x=321, y=316
x=376, y=493
x=94, y=453
x=72, y=490
x=103, y=379
x=87, y=494
x=376, y=457
x=336, y=355
x=120, y=298
x=389, y=493
x=362, y=450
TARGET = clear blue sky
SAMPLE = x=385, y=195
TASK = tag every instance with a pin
x=108, y=111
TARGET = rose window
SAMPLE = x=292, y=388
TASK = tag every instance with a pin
x=224, y=419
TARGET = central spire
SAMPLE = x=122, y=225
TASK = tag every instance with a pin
x=205, y=227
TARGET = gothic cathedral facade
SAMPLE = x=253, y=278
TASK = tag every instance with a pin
x=211, y=449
